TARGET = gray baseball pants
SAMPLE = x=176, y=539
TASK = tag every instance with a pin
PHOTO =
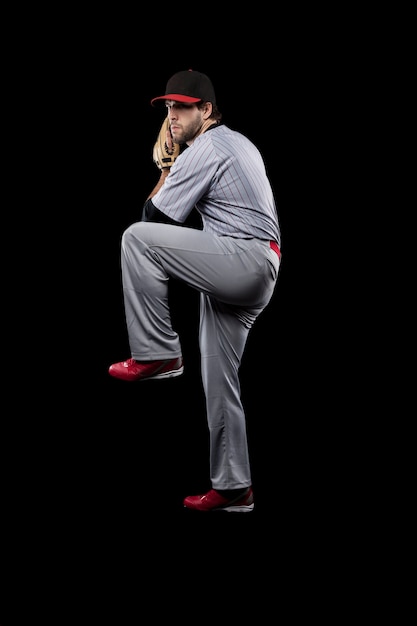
x=236, y=279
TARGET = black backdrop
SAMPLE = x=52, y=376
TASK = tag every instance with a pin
x=89, y=144
x=95, y=470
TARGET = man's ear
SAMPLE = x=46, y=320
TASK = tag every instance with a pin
x=208, y=110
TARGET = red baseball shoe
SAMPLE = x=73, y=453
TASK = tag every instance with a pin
x=213, y=501
x=132, y=370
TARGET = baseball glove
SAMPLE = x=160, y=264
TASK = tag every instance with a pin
x=165, y=151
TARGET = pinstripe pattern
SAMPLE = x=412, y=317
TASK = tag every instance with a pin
x=223, y=175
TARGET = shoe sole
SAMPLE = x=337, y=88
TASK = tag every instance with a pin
x=171, y=374
x=248, y=508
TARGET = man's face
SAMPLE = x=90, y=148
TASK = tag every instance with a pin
x=185, y=120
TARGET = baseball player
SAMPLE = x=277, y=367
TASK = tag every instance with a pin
x=233, y=261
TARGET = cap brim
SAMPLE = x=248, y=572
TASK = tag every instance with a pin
x=178, y=97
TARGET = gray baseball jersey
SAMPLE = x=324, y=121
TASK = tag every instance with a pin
x=222, y=175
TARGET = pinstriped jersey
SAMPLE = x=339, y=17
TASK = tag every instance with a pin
x=222, y=174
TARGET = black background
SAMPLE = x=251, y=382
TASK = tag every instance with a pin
x=96, y=466
x=94, y=471
x=87, y=141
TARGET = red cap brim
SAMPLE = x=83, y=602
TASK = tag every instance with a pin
x=178, y=97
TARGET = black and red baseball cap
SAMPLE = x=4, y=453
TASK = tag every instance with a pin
x=188, y=86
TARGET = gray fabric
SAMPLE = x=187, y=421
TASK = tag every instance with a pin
x=236, y=279
x=223, y=176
